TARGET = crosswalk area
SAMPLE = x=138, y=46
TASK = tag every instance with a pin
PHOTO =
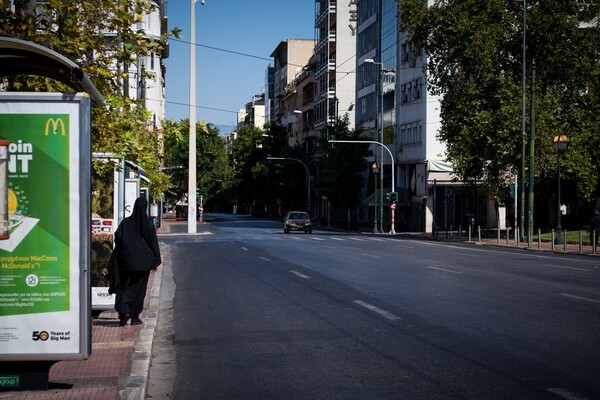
x=278, y=236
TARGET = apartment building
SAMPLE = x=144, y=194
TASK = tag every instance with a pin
x=150, y=89
x=376, y=60
x=335, y=60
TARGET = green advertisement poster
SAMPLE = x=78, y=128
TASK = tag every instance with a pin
x=34, y=259
x=44, y=255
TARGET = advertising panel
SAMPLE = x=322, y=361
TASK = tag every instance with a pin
x=44, y=261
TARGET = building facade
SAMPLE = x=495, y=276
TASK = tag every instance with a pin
x=335, y=60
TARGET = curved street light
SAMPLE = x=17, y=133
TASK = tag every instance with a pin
x=307, y=176
x=393, y=229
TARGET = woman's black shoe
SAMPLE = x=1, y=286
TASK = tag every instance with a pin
x=136, y=321
x=123, y=320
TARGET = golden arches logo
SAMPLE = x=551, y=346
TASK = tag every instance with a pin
x=55, y=123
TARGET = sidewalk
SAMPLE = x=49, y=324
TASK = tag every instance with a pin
x=119, y=364
x=535, y=245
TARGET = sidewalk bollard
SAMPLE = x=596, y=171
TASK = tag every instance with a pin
x=553, y=240
x=469, y=233
x=479, y=234
x=539, y=238
x=517, y=236
x=498, y=242
x=565, y=241
x=594, y=242
x=459, y=232
x=580, y=242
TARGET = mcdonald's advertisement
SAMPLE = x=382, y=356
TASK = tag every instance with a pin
x=40, y=250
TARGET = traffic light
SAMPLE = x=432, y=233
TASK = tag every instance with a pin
x=394, y=196
x=388, y=196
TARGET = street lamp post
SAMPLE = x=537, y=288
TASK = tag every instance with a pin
x=192, y=228
x=560, y=143
x=307, y=177
x=375, y=168
x=523, y=133
x=393, y=228
x=381, y=72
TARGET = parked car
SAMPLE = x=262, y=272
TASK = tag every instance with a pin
x=101, y=225
x=297, y=221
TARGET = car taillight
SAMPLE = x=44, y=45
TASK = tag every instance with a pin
x=107, y=223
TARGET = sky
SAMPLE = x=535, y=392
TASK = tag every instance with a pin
x=225, y=79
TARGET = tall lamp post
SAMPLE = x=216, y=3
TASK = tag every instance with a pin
x=375, y=169
x=381, y=72
x=560, y=143
x=192, y=209
x=307, y=177
x=523, y=112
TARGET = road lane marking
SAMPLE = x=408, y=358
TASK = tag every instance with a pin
x=370, y=255
x=300, y=275
x=264, y=258
x=338, y=239
x=378, y=310
x=465, y=255
x=245, y=249
x=445, y=270
x=572, y=296
x=317, y=238
x=566, y=394
x=561, y=267
x=357, y=239
x=377, y=239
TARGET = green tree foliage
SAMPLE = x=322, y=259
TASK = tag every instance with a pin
x=474, y=62
x=343, y=165
x=249, y=155
x=214, y=173
x=102, y=37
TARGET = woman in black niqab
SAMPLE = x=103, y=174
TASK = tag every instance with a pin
x=131, y=290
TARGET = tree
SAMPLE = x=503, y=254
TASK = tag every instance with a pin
x=214, y=173
x=343, y=165
x=474, y=63
x=252, y=186
x=101, y=37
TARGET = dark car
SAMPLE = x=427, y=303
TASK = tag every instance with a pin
x=297, y=221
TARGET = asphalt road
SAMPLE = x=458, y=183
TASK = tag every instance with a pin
x=254, y=313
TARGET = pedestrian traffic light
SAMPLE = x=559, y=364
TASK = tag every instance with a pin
x=388, y=196
x=394, y=196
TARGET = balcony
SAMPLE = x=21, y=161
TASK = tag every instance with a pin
x=325, y=12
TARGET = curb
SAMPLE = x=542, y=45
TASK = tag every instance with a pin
x=136, y=385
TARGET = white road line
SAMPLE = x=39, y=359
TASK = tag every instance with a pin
x=445, y=270
x=317, y=238
x=377, y=239
x=300, y=275
x=357, y=239
x=245, y=249
x=264, y=258
x=378, y=310
x=370, y=255
x=566, y=394
x=338, y=239
x=572, y=296
x=561, y=267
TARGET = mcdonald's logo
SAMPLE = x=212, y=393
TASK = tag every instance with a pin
x=55, y=123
